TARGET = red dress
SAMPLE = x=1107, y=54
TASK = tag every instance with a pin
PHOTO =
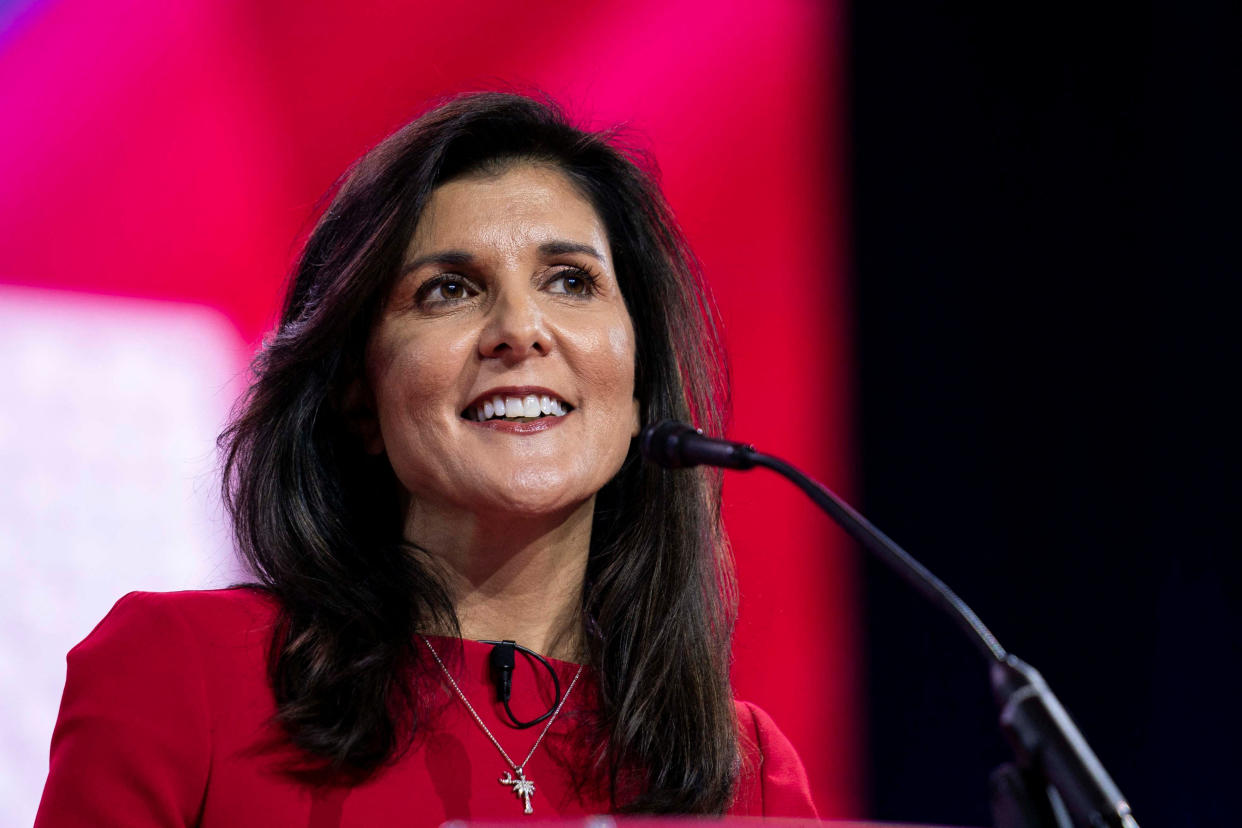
x=166, y=720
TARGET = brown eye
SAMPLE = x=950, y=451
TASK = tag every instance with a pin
x=444, y=290
x=573, y=282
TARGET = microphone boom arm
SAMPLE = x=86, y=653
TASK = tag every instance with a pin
x=1036, y=725
x=1051, y=752
x=893, y=556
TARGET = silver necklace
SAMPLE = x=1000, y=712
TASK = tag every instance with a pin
x=515, y=778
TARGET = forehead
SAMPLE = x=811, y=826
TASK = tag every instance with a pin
x=526, y=204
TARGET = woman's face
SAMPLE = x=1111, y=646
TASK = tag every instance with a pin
x=507, y=295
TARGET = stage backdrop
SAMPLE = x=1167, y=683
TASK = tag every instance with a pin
x=159, y=163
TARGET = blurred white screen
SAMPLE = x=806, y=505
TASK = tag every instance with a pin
x=109, y=410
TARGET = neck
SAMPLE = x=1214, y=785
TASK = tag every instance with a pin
x=517, y=578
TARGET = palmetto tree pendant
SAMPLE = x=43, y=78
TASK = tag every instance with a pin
x=522, y=787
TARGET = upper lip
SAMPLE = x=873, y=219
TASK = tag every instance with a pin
x=515, y=391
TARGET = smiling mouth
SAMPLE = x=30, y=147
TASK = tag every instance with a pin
x=517, y=409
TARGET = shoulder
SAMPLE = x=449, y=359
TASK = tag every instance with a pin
x=136, y=730
x=142, y=622
x=168, y=648
x=212, y=608
x=163, y=651
x=772, y=781
x=151, y=639
x=149, y=695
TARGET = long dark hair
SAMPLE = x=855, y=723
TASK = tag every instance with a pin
x=318, y=521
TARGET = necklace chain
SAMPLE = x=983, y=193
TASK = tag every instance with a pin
x=516, y=767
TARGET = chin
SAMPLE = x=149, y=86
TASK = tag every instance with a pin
x=537, y=494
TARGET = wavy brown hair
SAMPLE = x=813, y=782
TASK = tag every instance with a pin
x=318, y=521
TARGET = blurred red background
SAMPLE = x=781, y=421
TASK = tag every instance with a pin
x=176, y=152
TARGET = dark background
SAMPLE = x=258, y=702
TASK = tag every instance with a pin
x=1046, y=239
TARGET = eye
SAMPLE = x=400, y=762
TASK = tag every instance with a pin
x=444, y=289
x=573, y=281
x=450, y=290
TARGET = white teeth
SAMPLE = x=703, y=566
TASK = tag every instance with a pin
x=530, y=406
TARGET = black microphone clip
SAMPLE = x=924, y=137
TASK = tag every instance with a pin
x=501, y=659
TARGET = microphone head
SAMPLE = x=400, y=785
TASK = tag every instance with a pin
x=661, y=443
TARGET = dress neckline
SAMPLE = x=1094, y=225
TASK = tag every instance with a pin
x=532, y=687
x=473, y=649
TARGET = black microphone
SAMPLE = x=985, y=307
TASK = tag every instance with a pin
x=1049, y=748
x=675, y=445
x=501, y=660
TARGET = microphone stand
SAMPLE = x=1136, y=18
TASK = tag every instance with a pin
x=1056, y=780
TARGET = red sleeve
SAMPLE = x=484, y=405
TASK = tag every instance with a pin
x=132, y=744
x=773, y=782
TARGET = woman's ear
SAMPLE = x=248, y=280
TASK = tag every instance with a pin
x=637, y=419
x=358, y=409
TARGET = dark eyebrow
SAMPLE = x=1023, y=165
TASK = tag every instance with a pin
x=450, y=258
x=560, y=248
x=458, y=258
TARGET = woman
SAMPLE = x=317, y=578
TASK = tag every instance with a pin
x=438, y=450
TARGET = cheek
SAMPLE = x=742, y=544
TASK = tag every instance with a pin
x=616, y=373
x=601, y=352
x=621, y=343
x=410, y=377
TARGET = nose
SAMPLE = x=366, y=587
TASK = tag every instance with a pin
x=515, y=329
